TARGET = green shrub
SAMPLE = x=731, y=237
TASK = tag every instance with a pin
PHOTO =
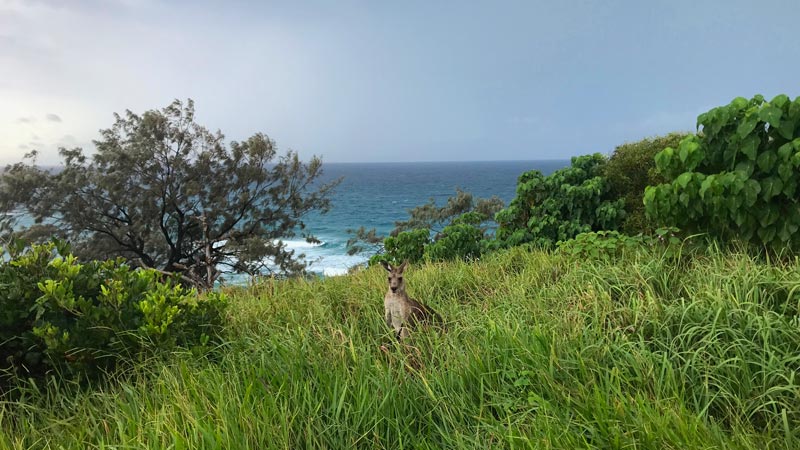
x=738, y=178
x=612, y=244
x=464, y=238
x=461, y=223
x=599, y=244
x=457, y=241
x=630, y=169
x=557, y=207
x=60, y=315
x=407, y=245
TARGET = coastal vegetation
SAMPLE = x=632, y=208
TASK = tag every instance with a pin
x=166, y=193
x=544, y=350
x=647, y=299
x=738, y=178
x=63, y=318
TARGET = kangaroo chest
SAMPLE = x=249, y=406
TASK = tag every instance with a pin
x=397, y=308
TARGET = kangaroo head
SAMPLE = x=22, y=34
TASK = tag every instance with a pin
x=396, y=276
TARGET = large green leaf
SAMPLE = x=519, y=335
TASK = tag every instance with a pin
x=789, y=187
x=785, y=151
x=751, y=191
x=746, y=168
x=740, y=216
x=766, y=160
x=771, y=114
x=747, y=125
x=649, y=195
x=786, y=129
x=701, y=119
x=707, y=184
x=794, y=109
x=684, y=179
x=690, y=153
x=749, y=146
x=734, y=204
x=766, y=234
x=664, y=159
x=785, y=170
x=770, y=187
x=740, y=103
x=738, y=183
x=787, y=230
x=769, y=216
x=779, y=100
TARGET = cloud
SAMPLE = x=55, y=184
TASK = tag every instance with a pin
x=23, y=147
x=67, y=140
x=53, y=117
x=25, y=120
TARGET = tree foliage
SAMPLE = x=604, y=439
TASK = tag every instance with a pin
x=457, y=229
x=167, y=193
x=738, y=178
x=557, y=207
x=630, y=169
x=462, y=239
x=435, y=218
x=406, y=246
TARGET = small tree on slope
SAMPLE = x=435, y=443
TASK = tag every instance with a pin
x=167, y=193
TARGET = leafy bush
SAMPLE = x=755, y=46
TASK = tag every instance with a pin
x=557, y=207
x=613, y=244
x=59, y=314
x=408, y=245
x=630, y=169
x=457, y=241
x=738, y=177
x=457, y=229
x=599, y=244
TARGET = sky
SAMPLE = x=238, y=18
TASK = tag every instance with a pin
x=359, y=81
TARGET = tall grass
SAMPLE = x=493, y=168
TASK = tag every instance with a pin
x=542, y=351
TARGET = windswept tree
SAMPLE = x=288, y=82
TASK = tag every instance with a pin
x=166, y=193
x=458, y=228
x=435, y=218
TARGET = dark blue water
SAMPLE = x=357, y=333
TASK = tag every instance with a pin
x=376, y=195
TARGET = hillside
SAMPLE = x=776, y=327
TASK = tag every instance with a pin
x=543, y=351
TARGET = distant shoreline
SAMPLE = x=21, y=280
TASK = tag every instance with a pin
x=324, y=163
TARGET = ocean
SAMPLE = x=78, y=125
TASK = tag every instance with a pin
x=376, y=195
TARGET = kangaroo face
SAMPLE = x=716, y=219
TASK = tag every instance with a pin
x=395, y=277
x=395, y=281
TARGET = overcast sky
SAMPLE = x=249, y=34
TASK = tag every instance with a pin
x=391, y=80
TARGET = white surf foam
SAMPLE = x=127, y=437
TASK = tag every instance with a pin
x=299, y=245
x=333, y=271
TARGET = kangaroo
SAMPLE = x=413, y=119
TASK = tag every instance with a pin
x=401, y=310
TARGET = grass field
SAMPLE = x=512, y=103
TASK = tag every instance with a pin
x=542, y=351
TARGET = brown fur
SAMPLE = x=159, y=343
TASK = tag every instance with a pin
x=401, y=311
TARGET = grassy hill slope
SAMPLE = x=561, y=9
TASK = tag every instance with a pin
x=542, y=351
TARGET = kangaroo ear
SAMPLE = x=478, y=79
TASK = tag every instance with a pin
x=386, y=266
x=403, y=266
